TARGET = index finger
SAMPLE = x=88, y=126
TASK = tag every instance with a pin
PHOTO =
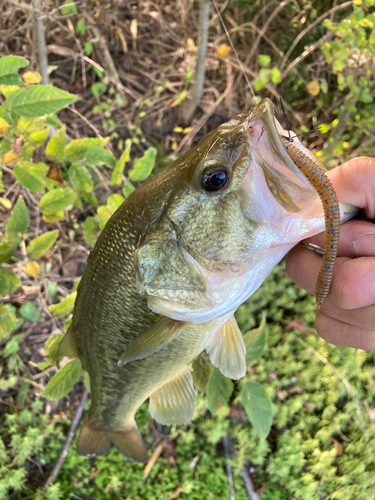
x=354, y=183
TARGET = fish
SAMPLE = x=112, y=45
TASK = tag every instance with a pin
x=172, y=265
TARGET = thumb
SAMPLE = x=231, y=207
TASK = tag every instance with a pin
x=354, y=183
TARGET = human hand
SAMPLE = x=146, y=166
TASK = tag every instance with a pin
x=347, y=315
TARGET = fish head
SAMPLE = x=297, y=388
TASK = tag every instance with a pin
x=231, y=208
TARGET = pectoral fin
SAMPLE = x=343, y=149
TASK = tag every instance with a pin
x=67, y=346
x=174, y=402
x=227, y=350
x=151, y=340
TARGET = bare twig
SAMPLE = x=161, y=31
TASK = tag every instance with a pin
x=41, y=41
x=255, y=45
x=272, y=90
x=69, y=439
x=249, y=484
x=306, y=53
x=226, y=441
x=190, y=105
x=199, y=124
x=310, y=27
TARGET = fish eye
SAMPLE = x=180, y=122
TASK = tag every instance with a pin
x=215, y=179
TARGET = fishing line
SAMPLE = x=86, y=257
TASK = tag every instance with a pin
x=285, y=118
x=233, y=48
x=305, y=133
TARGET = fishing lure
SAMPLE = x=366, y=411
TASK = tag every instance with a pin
x=331, y=208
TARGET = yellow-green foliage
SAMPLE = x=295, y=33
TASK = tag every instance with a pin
x=319, y=400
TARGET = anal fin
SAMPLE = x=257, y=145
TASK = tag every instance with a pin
x=174, y=402
x=94, y=442
x=227, y=350
x=67, y=346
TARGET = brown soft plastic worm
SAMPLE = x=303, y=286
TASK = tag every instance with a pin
x=331, y=208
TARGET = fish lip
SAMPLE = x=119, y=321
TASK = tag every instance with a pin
x=265, y=112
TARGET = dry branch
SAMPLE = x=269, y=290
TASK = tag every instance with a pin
x=68, y=442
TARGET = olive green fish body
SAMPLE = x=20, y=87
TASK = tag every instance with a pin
x=171, y=267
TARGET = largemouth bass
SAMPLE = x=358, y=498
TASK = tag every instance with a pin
x=171, y=267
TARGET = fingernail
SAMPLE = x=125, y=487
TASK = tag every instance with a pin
x=364, y=245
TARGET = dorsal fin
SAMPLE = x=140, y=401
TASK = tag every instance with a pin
x=174, y=402
x=227, y=350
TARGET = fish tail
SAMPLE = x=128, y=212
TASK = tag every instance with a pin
x=95, y=442
x=67, y=346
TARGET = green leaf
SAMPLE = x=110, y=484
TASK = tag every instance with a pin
x=90, y=227
x=366, y=96
x=9, y=282
x=255, y=341
x=7, y=321
x=264, y=60
x=38, y=100
x=144, y=166
x=4, y=284
x=100, y=156
x=116, y=178
x=80, y=178
x=13, y=79
x=114, y=201
x=324, y=85
x=219, y=390
x=52, y=344
x=11, y=64
x=38, y=138
x=39, y=246
x=30, y=312
x=202, y=369
x=70, y=9
x=63, y=381
x=275, y=75
x=56, y=145
x=18, y=222
x=76, y=150
x=88, y=48
x=104, y=213
x=31, y=176
x=56, y=200
x=4, y=115
x=258, y=407
x=324, y=128
x=128, y=189
x=13, y=345
x=80, y=28
x=64, y=307
x=52, y=287
x=179, y=99
x=30, y=125
x=6, y=252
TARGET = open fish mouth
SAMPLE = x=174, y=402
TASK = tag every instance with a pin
x=280, y=207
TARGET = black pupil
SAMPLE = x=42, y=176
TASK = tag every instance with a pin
x=215, y=179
